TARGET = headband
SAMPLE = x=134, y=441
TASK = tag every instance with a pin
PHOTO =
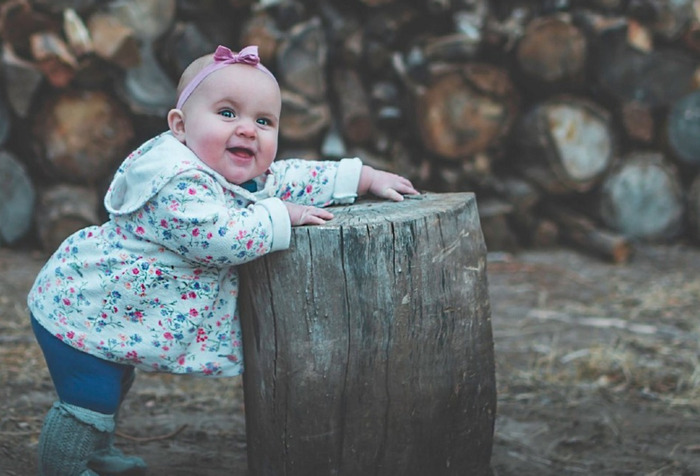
x=222, y=58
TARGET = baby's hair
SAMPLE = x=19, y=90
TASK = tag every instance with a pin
x=192, y=70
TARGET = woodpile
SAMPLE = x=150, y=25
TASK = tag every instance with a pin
x=572, y=121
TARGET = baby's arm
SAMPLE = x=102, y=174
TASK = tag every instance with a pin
x=384, y=184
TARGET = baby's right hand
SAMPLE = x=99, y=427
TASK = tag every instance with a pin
x=307, y=215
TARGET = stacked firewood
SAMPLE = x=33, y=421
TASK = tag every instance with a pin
x=573, y=121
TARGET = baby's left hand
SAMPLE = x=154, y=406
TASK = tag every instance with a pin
x=385, y=184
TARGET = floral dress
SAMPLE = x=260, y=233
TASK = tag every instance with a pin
x=156, y=285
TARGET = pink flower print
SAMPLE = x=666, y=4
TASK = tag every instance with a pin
x=192, y=294
x=192, y=191
x=194, y=312
x=201, y=335
x=195, y=232
x=135, y=271
x=140, y=230
x=159, y=272
x=168, y=335
x=209, y=235
x=309, y=188
x=249, y=244
x=66, y=302
x=181, y=360
x=70, y=334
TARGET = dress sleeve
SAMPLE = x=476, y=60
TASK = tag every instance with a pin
x=318, y=183
x=191, y=216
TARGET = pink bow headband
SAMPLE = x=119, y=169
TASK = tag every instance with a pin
x=222, y=58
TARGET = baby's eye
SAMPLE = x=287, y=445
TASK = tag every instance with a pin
x=263, y=121
x=227, y=113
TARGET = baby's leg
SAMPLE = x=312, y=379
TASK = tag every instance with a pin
x=69, y=436
x=90, y=392
x=110, y=459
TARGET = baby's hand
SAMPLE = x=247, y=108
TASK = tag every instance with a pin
x=307, y=215
x=384, y=184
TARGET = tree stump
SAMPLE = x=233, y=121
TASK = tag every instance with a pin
x=368, y=344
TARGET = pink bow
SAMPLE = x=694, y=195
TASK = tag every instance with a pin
x=248, y=55
x=222, y=58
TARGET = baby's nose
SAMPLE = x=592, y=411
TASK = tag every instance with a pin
x=245, y=128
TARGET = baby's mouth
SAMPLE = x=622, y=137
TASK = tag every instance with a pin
x=241, y=152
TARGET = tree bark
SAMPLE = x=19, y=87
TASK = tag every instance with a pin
x=368, y=344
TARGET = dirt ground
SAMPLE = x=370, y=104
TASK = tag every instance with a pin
x=597, y=370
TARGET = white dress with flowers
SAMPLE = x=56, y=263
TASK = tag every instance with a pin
x=156, y=286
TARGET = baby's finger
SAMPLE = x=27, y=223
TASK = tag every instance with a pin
x=391, y=194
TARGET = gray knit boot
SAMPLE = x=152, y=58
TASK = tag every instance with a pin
x=68, y=437
x=110, y=460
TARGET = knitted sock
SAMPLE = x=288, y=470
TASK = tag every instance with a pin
x=68, y=437
x=112, y=461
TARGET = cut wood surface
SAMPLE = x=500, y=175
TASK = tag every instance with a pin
x=63, y=209
x=464, y=111
x=553, y=51
x=683, y=127
x=82, y=135
x=642, y=198
x=567, y=144
x=379, y=359
x=17, y=197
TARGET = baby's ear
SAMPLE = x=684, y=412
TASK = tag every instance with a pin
x=176, y=123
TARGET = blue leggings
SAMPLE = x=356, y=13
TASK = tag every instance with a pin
x=82, y=379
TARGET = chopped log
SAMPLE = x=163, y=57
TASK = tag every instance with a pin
x=18, y=21
x=301, y=61
x=184, y=43
x=380, y=360
x=17, y=197
x=22, y=81
x=356, y=122
x=552, y=53
x=80, y=135
x=260, y=29
x=466, y=110
x=114, y=41
x=149, y=19
x=642, y=198
x=59, y=6
x=301, y=120
x=682, y=125
x=693, y=196
x=53, y=58
x=582, y=232
x=494, y=218
x=77, y=33
x=63, y=209
x=147, y=88
x=656, y=78
x=6, y=121
x=638, y=122
x=666, y=20
x=565, y=144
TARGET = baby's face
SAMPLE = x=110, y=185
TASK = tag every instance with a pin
x=231, y=121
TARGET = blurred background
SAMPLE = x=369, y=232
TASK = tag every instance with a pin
x=573, y=121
